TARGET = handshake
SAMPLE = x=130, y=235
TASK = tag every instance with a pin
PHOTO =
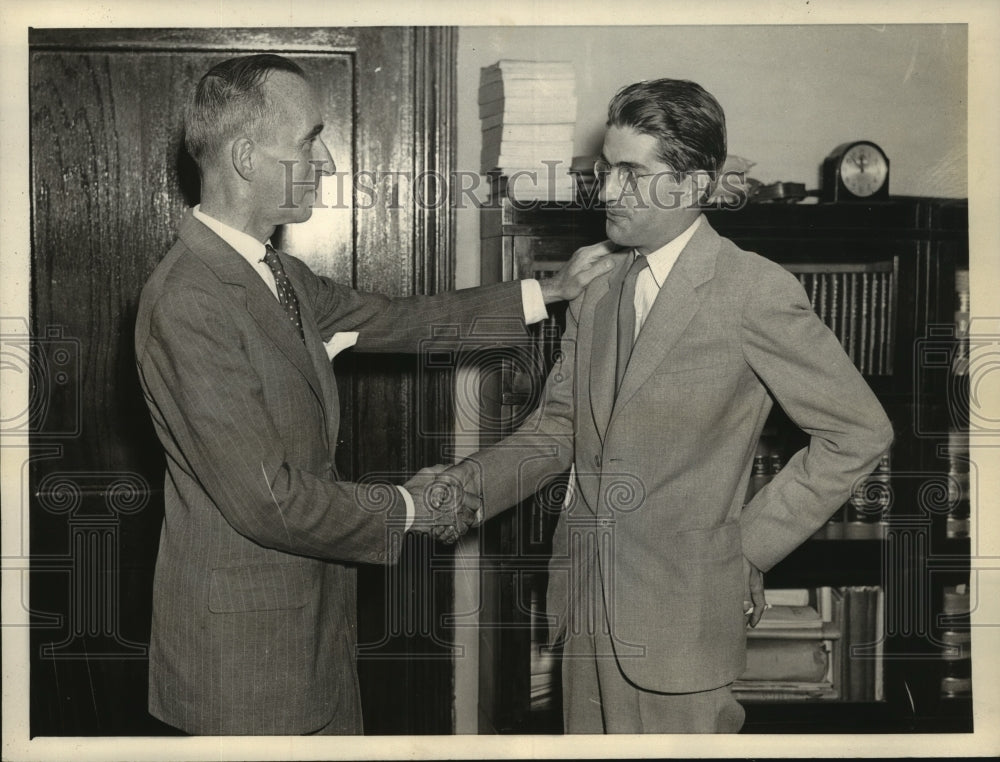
x=447, y=500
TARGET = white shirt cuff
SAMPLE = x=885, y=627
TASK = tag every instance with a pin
x=410, y=510
x=339, y=342
x=533, y=301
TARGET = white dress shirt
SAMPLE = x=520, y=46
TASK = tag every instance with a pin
x=652, y=278
x=253, y=252
x=647, y=286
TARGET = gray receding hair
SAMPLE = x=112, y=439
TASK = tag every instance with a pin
x=230, y=99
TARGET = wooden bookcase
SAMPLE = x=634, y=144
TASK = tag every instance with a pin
x=897, y=260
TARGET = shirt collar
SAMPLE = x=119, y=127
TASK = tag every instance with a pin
x=246, y=245
x=661, y=261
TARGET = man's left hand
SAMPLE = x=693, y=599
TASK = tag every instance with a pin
x=585, y=265
x=754, y=601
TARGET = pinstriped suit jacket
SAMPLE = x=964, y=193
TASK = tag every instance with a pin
x=662, y=470
x=254, y=623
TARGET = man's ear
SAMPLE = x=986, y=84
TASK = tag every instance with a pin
x=243, y=157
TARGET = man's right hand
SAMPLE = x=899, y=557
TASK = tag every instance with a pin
x=441, y=505
x=456, y=492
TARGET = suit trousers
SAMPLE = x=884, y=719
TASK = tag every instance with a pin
x=598, y=698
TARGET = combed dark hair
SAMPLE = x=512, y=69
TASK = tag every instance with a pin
x=687, y=122
x=230, y=97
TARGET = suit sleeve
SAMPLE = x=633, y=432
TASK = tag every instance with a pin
x=484, y=315
x=517, y=467
x=210, y=400
x=804, y=366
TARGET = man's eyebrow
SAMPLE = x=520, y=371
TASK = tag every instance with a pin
x=625, y=164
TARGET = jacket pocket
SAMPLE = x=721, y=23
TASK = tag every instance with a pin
x=261, y=587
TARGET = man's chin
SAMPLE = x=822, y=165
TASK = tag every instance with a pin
x=300, y=213
x=614, y=228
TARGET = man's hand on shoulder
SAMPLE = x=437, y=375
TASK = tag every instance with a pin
x=586, y=264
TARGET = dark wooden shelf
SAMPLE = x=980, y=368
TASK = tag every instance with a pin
x=852, y=717
x=836, y=563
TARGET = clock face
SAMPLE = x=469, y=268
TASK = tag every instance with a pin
x=863, y=170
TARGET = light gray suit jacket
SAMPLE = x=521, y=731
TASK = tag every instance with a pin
x=254, y=619
x=661, y=472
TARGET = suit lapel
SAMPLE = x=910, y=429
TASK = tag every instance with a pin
x=604, y=349
x=673, y=309
x=320, y=361
x=230, y=267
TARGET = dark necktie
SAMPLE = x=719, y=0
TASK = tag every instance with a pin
x=626, y=319
x=286, y=294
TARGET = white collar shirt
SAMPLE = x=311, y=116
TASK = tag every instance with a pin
x=245, y=245
x=652, y=278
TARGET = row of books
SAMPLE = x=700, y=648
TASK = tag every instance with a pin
x=956, y=642
x=956, y=605
x=857, y=304
x=528, y=115
x=816, y=644
x=959, y=498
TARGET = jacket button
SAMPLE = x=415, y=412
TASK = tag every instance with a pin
x=597, y=460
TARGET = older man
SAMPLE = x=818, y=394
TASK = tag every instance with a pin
x=254, y=626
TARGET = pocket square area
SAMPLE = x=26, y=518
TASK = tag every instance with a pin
x=339, y=342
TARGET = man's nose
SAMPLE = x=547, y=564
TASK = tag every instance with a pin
x=609, y=188
x=322, y=159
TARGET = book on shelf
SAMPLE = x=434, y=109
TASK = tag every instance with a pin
x=782, y=617
x=788, y=597
x=856, y=304
x=778, y=659
x=956, y=643
x=957, y=522
x=960, y=364
x=864, y=627
x=511, y=69
x=778, y=690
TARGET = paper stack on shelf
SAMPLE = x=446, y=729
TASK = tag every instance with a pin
x=829, y=648
x=794, y=651
x=528, y=113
